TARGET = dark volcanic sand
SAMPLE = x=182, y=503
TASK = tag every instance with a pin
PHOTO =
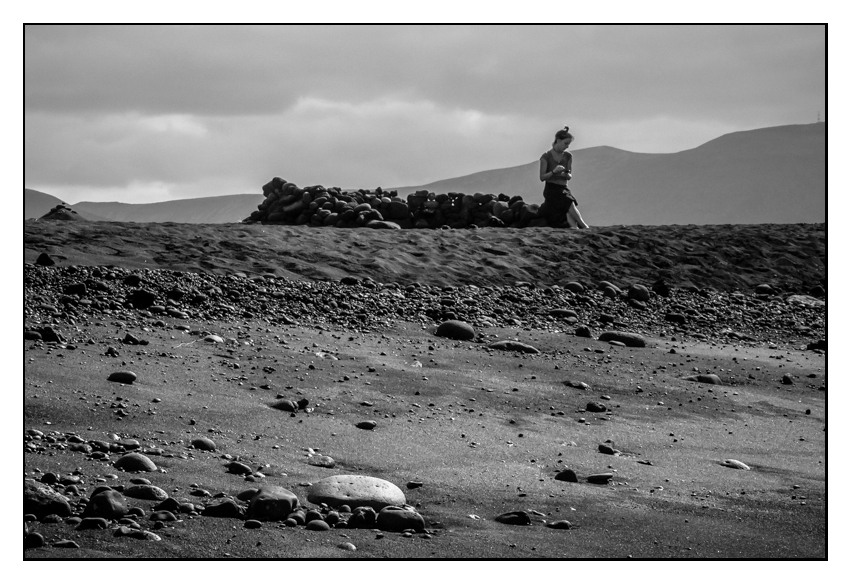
x=726, y=257
x=485, y=431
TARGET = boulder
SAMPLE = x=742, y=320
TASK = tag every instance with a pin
x=378, y=224
x=398, y=210
x=805, y=301
x=628, y=339
x=355, y=491
x=607, y=450
x=49, y=334
x=735, y=464
x=204, y=444
x=319, y=525
x=224, y=508
x=599, y=478
x=678, y=318
x=821, y=344
x=605, y=284
x=238, y=468
x=706, y=379
x=42, y=500
x=517, y=518
x=272, y=503
x=286, y=405
x=563, y=313
x=453, y=329
x=399, y=519
x=513, y=346
x=125, y=377
x=135, y=462
x=583, y=331
x=146, y=492
x=107, y=503
x=661, y=288
x=568, y=475
x=362, y=517
x=44, y=260
x=638, y=292
x=142, y=299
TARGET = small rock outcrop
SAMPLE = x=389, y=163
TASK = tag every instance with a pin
x=62, y=212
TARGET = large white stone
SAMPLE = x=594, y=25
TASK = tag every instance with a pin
x=354, y=491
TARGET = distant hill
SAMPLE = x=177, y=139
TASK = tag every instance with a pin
x=222, y=209
x=37, y=204
x=770, y=175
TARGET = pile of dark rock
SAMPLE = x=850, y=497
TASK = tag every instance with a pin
x=62, y=212
x=288, y=204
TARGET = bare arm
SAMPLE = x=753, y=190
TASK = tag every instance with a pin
x=543, y=175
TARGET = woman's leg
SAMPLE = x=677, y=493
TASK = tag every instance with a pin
x=575, y=219
x=571, y=223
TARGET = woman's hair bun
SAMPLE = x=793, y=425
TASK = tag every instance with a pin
x=563, y=134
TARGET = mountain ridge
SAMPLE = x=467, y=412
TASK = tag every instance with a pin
x=768, y=175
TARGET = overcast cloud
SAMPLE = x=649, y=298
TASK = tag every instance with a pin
x=140, y=114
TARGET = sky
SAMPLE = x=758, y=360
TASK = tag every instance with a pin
x=140, y=114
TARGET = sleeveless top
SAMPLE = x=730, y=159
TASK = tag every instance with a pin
x=565, y=160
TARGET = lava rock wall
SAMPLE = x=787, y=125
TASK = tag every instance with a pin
x=288, y=204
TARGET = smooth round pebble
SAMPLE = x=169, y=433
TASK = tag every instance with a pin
x=33, y=540
x=146, y=492
x=400, y=519
x=204, y=444
x=599, y=478
x=135, y=462
x=454, y=329
x=162, y=516
x=124, y=377
x=568, y=475
x=628, y=339
x=733, y=463
x=517, y=518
